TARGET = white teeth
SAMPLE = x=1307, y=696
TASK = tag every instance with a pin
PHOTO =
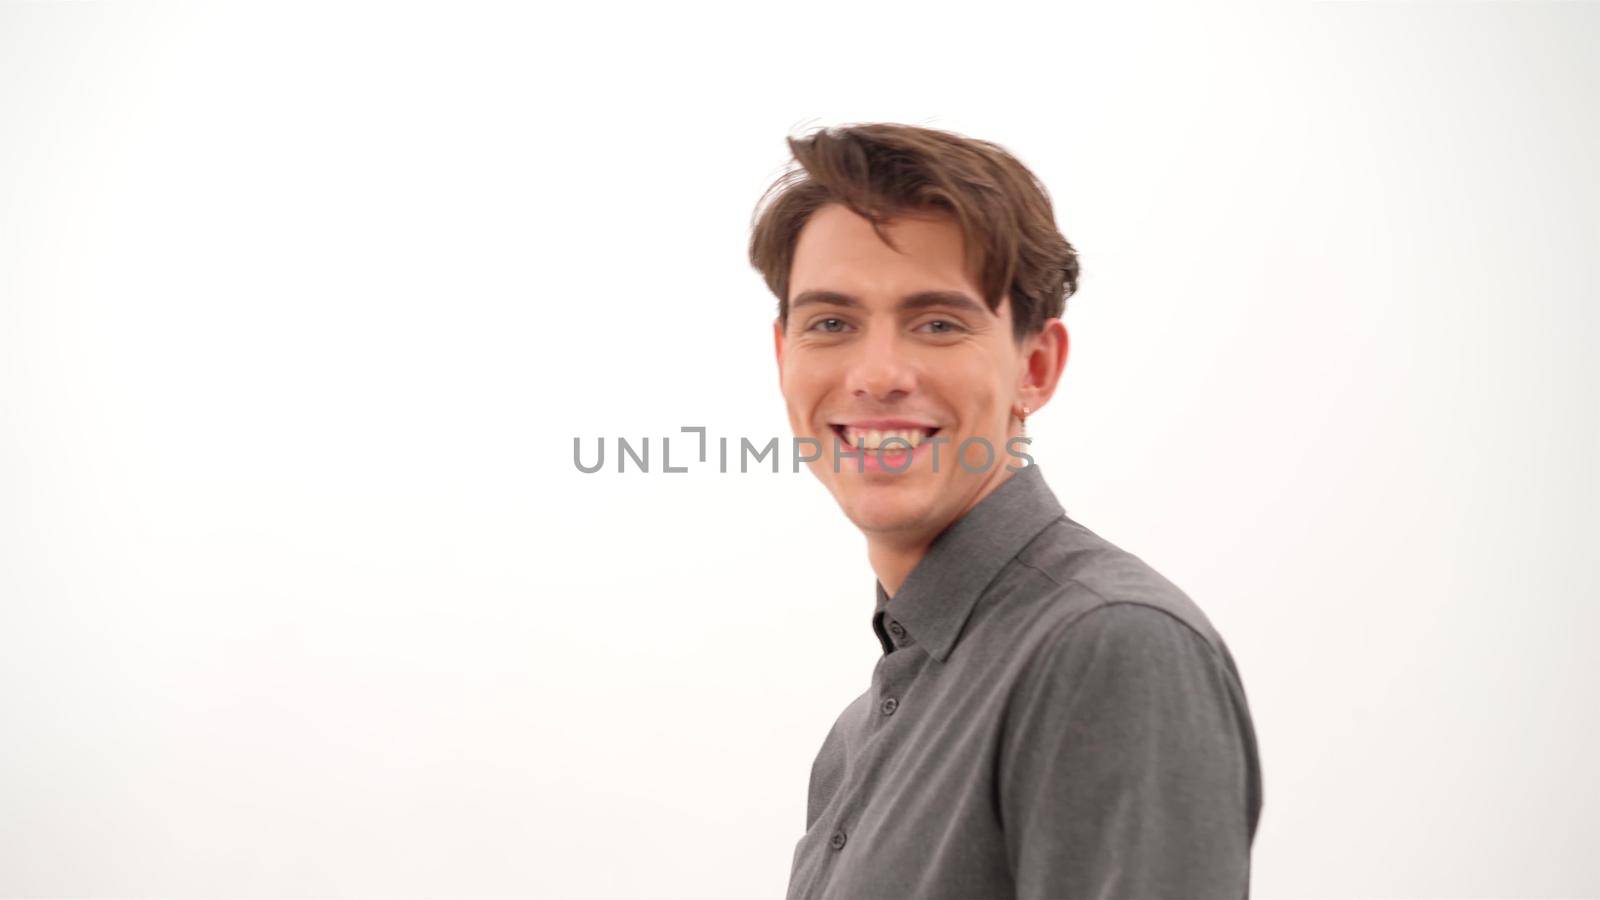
x=872, y=439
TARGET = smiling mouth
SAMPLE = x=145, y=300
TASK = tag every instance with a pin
x=874, y=438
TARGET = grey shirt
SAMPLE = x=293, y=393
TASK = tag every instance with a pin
x=1050, y=718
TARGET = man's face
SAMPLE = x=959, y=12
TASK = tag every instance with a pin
x=901, y=342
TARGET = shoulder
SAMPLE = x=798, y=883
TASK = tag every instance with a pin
x=1130, y=649
x=1095, y=590
x=1131, y=676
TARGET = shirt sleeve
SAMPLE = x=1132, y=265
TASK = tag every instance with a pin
x=1127, y=763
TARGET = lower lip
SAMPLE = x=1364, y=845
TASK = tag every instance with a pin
x=894, y=461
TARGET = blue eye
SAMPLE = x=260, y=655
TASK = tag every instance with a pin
x=940, y=326
x=818, y=325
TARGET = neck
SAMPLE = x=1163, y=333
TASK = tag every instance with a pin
x=893, y=560
x=893, y=556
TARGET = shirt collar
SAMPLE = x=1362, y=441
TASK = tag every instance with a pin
x=937, y=597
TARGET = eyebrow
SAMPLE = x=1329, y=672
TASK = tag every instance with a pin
x=919, y=300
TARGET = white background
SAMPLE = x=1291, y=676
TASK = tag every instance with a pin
x=301, y=307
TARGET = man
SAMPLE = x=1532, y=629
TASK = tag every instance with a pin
x=1050, y=717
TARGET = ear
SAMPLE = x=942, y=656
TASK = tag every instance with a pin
x=1044, y=356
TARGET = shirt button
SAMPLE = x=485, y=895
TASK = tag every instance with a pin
x=898, y=630
x=837, y=840
x=889, y=706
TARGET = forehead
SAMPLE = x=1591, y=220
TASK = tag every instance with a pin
x=838, y=250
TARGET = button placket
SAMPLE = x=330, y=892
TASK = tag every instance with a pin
x=892, y=674
x=893, y=682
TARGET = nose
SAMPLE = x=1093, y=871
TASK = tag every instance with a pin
x=881, y=370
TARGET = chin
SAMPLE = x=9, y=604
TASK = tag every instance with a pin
x=885, y=507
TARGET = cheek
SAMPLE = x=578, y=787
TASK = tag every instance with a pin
x=803, y=384
x=973, y=393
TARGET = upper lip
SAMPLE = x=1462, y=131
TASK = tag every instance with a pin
x=884, y=424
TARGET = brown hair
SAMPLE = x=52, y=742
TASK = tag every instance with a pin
x=884, y=169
